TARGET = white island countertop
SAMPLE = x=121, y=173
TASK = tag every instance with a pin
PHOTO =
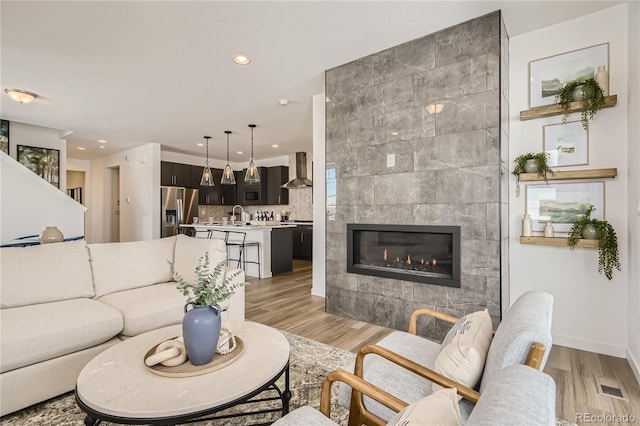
x=243, y=227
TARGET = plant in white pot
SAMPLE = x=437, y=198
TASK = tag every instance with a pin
x=201, y=324
x=601, y=230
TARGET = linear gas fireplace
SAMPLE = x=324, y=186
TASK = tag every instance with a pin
x=426, y=254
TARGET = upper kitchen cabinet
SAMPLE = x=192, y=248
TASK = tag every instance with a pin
x=175, y=174
x=277, y=176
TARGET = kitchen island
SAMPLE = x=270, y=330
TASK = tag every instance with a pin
x=275, y=241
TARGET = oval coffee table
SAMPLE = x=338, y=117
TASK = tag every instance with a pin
x=116, y=386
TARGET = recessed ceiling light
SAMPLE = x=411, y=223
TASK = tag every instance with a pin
x=241, y=59
x=200, y=144
x=394, y=133
x=239, y=152
x=21, y=96
x=102, y=141
x=81, y=148
x=275, y=145
x=102, y=147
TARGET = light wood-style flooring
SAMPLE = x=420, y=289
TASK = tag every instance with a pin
x=285, y=302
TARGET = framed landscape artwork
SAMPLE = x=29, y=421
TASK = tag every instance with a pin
x=566, y=144
x=4, y=136
x=563, y=203
x=548, y=75
x=42, y=161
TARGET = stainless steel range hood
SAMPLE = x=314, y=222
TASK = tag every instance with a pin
x=300, y=181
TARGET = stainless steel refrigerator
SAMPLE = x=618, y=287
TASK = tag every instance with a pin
x=179, y=206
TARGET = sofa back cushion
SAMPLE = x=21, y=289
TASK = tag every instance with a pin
x=124, y=266
x=527, y=321
x=44, y=273
x=189, y=250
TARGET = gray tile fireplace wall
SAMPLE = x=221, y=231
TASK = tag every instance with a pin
x=415, y=134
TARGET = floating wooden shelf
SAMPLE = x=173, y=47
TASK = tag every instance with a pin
x=573, y=174
x=555, y=109
x=557, y=241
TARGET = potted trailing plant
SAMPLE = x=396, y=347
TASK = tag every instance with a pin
x=531, y=163
x=588, y=91
x=201, y=324
x=586, y=227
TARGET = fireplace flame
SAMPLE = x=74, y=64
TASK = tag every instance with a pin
x=408, y=259
x=397, y=260
x=422, y=261
x=385, y=255
x=434, y=262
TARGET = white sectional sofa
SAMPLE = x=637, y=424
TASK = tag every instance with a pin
x=64, y=303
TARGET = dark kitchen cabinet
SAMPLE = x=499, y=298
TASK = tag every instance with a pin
x=277, y=176
x=303, y=242
x=175, y=174
x=281, y=250
x=228, y=192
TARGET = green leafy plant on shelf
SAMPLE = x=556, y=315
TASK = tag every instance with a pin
x=592, y=99
x=608, y=254
x=541, y=159
x=210, y=287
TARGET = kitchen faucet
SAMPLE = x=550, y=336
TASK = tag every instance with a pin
x=233, y=213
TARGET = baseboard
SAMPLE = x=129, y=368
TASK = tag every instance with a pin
x=634, y=365
x=590, y=345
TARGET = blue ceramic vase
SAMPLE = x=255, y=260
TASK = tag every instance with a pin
x=201, y=330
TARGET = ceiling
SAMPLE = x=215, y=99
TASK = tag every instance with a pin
x=133, y=73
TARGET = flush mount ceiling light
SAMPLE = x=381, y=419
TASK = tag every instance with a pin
x=227, y=174
x=21, y=96
x=241, y=59
x=207, y=176
x=252, y=175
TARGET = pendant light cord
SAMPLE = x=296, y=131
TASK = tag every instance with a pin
x=207, y=150
x=252, y=143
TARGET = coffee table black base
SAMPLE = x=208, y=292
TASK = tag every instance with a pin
x=94, y=418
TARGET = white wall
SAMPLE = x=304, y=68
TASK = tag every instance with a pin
x=590, y=312
x=28, y=204
x=139, y=170
x=633, y=354
x=319, y=198
x=42, y=137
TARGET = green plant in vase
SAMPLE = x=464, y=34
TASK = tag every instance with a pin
x=608, y=254
x=589, y=92
x=531, y=163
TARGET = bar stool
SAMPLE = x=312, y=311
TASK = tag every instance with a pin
x=201, y=233
x=238, y=239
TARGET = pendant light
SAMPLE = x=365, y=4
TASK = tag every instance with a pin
x=252, y=175
x=227, y=175
x=207, y=176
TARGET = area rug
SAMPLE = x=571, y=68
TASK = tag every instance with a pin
x=310, y=362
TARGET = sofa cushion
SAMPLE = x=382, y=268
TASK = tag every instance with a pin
x=148, y=308
x=189, y=250
x=440, y=408
x=35, y=333
x=464, y=349
x=44, y=273
x=528, y=320
x=123, y=266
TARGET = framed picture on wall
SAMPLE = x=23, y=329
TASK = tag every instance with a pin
x=567, y=144
x=548, y=75
x=563, y=203
x=4, y=136
x=44, y=162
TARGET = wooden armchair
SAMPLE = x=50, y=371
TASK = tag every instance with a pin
x=521, y=338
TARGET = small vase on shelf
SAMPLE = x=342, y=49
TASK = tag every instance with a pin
x=602, y=78
x=548, y=230
x=527, y=227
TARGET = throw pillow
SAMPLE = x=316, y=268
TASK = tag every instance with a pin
x=464, y=349
x=438, y=409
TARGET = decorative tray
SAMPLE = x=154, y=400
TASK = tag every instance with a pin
x=188, y=370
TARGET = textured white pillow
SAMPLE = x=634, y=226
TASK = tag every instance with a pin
x=438, y=409
x=464, y=349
